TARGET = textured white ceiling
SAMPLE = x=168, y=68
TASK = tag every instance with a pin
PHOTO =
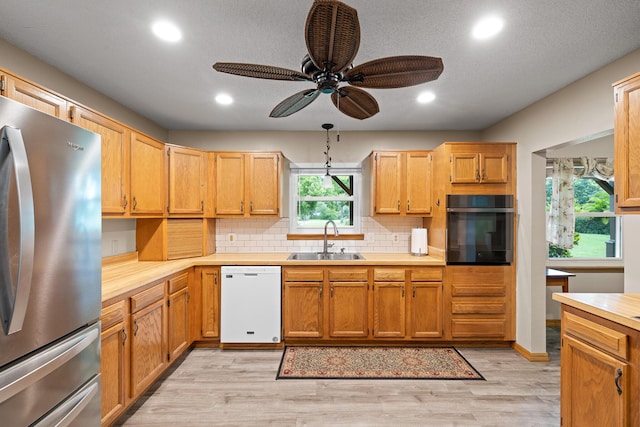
x=545, y=45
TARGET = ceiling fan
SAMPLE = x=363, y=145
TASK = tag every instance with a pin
x=332, y=34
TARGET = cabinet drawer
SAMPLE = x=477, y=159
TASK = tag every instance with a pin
x=478, y=307
x=427, y=275
x=388, y=274
x=178, y=282
x=599, y=336
x=478, y=275
x=478, y=328
x=303, y=275
x=478, y=290
x=349, y=275
x=112, y=315
x=148, y=297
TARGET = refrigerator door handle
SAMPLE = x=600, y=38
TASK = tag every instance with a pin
x=15, y=379
x=15, y=289
x=66, y=413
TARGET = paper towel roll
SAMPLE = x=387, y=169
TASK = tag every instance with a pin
x=419, y=242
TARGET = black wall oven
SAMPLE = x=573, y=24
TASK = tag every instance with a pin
x=480, y=229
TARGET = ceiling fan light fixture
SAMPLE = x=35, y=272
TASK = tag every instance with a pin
x=487, y=27
x=426, y=97
x=166, y=31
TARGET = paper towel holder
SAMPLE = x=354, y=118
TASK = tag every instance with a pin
x=419, y=248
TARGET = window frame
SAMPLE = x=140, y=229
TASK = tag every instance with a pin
x=600, y=261
x=319, y=169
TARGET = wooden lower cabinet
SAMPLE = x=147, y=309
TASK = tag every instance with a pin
x=302, y=303
x=141, y=336
x=481, y=302
x=426, y=310
x=374, y=303
x=389, y=303
x=178, y=315
x=113, y=360
x=148, y=341
x=599, y=362
x=348, y=302
x=209, y=302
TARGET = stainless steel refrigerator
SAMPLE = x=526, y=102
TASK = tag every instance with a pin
x=50, y=270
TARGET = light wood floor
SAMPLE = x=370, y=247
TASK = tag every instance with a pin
x=238, y=388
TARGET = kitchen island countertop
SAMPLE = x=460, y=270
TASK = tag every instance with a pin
x=620, y=308
x=122, y=279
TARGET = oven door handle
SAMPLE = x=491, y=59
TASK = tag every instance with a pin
x=482, y=210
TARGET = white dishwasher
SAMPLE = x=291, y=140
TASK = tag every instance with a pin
x=250, y=304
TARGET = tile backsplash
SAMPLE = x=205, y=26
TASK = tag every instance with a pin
x=381, y=234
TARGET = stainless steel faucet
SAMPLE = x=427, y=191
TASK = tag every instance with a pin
x=325, y=250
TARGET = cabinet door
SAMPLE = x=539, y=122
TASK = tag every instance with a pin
x=495, y=168
x=302, y=310
x=178, y=321
x=426, y=310
x=147, y=175
x=418, y=183
x=187, y=178
x=33, y=96
x=387, y=185
x=348, y=313
x=148, y=346
x=594, y=386
x=112, y=363
x=627, y=145
x=263, y=184
x=229, y=184
x=388, y=310
x=115, y=158
x=464, y=168
x=210, y=303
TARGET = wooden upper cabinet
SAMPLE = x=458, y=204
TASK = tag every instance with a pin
x=418, y=182
x=230, y=184
x=263, y=185
x=401, y=183
x=627, y=144
x=115, y=158
x=33, y=96
x=387, y=172
x=479, y=168
x=247, y=184
x=187, y=180
x=147, y=176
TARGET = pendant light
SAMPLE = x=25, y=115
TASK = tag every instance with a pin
x=326, y=183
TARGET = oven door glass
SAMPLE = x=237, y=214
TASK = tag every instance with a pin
x=480, y=237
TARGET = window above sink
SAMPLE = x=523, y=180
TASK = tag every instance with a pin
x=312, y=203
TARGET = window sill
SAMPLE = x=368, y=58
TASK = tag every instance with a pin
x=587, y=265
x=321, y=237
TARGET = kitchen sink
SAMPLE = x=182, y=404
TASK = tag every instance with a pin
x=319, y=256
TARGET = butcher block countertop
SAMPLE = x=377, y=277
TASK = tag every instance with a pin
x=123, y=279
x=620, y=308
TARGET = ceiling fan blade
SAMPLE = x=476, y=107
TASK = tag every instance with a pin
x=332, y=33
x=395, y=71
x=355, y=103
x=260, y=71
x=295, y=103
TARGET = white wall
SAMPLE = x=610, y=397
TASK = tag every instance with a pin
x=581, y=109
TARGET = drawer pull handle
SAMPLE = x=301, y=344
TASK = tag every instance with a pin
x=617, y=380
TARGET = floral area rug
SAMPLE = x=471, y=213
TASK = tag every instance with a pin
x=444, y=363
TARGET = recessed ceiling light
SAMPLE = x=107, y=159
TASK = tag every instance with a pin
x=166, y=31
x=426, y=97
x=487, y=27
x=224, y=99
